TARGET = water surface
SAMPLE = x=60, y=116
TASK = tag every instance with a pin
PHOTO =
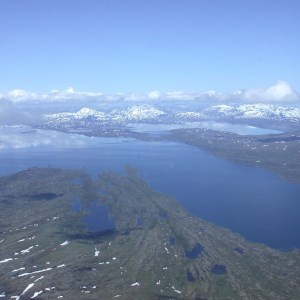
x=96, y=217
x=251, y=201
x=240, y=129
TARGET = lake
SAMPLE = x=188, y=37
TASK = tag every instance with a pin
x=251, y=201
x=240, y=129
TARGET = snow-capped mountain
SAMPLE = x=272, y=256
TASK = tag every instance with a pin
x=81, y=114
x=263, y=115
x=189, y=116
x=254, y=111
x=90, y=117
x=85, y=117
x=136, y=113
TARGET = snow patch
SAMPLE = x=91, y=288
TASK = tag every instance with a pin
x=36, y=294
x=16, y=270
x=135, y=284
x=65, y=243
x=26, y=250
x=40, y=278
x=28, y=288
x=5, y=260
x=35, y=272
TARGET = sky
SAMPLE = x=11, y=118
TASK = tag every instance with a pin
x=150, y=48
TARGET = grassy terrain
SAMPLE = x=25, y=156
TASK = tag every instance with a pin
x=46, y=249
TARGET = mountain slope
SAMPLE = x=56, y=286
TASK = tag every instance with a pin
x=261, y=115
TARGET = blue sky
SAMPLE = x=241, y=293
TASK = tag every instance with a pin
x=148, y=45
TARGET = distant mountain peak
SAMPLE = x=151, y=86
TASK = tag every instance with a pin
x=252, y=114
x=87, y=111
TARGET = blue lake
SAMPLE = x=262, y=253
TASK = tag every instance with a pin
x=96, y=217
x=251, y=201
x=194, y=253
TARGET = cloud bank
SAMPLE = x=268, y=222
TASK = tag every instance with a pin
x=20, y=137
x=280, y=92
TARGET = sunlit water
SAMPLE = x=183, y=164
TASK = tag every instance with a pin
x=248, y=200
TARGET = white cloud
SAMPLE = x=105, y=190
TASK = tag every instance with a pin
x=154, y=95
x=18, y=137
x=21, y=95
x=134, y=97
x=180, y=96
x=68, y=94
x=70, y=90
x=10, y=114
x=280, y=92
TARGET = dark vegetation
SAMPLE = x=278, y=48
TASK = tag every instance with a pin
x=169, y=256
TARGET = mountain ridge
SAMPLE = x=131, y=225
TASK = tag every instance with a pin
x=263, y=115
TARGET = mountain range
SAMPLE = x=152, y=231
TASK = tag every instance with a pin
x=261, y=115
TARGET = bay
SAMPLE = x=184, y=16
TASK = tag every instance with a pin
x=251, y=201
